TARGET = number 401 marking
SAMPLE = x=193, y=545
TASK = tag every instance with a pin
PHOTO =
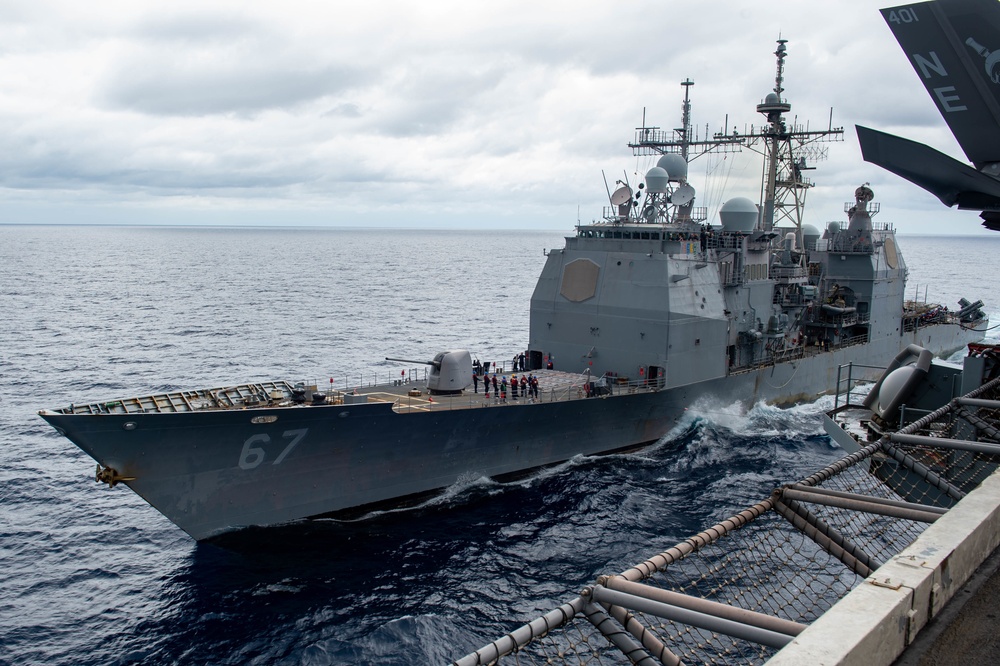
x=251, y=456
x=904, y=15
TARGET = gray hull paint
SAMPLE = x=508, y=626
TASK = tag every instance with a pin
x=212, y=472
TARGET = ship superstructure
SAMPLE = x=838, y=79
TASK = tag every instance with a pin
x=653, y=291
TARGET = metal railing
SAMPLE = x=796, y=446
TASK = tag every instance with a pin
x=363, y=380
x=386, y=377
x=847, y=382
x=562, y=393
x=738, y=591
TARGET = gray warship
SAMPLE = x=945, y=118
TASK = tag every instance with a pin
x=645, y=310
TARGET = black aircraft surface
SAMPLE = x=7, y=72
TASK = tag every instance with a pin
x=954, y=47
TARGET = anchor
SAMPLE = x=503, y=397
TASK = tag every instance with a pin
x=110, y=476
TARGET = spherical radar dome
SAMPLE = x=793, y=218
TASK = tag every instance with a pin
x=657, y=180
x=810, y=235
x=674, y=165
x=739, y=214
x=892, y=385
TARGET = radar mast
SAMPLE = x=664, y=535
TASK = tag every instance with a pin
x=786, y=150
x=675, y=150
x=651, y=140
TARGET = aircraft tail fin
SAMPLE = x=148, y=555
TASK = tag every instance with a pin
x=954, y=47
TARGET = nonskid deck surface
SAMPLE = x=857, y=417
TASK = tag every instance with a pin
x=554, y=385
x=228, y=397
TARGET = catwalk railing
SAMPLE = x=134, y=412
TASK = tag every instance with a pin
x=740, y=590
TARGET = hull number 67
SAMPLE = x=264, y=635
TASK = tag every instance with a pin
x=254, y=453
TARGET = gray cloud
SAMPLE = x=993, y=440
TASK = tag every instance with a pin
x=199, y=88
x=429, y=100
x=208, y=25
x=213, y=62
x=344, y=110
x=402, y=107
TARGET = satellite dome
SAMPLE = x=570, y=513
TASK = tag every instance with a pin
x=892, y=385
x=810, y=235
x=739, y=214
x=834, y=227
x=675, y=166
x=773, y=104
x=657, y=180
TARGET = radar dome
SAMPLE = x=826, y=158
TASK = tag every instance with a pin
x=675, y=166
x=739, y=214
x=892, y=385
x=833, y=227
x=810, y=235
x=657, y=180
x=772, y=98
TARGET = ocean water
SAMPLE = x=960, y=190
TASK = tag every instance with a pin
x=91, y=575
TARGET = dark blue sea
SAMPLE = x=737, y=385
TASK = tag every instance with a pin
x=91, y=575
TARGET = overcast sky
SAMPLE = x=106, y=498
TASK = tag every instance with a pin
x=472, y=114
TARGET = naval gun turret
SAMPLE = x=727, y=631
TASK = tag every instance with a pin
x=451, y=371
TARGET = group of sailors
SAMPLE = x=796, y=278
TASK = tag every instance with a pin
x=519, y=363
x=525, y=385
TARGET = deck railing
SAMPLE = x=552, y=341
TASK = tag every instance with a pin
x=348, y=382
x=563, y=393
x=848, y=380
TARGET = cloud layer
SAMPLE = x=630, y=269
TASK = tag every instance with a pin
x=397, y=113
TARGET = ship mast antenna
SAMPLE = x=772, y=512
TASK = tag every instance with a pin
x=651, y=140
x=686, y=118
x=786, y=149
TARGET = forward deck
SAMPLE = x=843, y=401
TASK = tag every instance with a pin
x=406, y=396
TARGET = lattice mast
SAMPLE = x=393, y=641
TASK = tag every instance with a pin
x=786, y=151
x=651, y=140
x=672, y=201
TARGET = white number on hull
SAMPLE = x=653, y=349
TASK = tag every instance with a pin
x=296, y=436
x=251, y=456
